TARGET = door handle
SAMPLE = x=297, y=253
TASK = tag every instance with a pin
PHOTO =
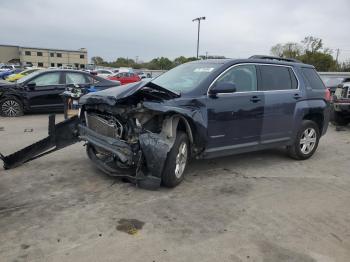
x=297, y=96
x=255, y=99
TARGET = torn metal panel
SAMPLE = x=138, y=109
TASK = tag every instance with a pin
x=155, y=148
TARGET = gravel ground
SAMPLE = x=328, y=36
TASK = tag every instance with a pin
x=253, y=207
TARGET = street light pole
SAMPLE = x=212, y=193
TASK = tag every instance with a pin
x=199, y=28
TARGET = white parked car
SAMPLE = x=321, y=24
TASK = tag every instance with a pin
x=103, y=72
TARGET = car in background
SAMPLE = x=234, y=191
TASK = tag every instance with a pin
x=340, y=106
x=142, y=75
x=4, y=74
x=125, y=78
x=9, y=67
x=103, y=73
x=14, y=77
x=40, y=91
x=332, y=81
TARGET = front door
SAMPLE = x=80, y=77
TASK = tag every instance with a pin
x=235, y=119
x=46, y=93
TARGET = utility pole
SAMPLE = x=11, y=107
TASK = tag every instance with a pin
x=336, y=59
x=199, y=28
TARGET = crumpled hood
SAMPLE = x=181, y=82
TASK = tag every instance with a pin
x=112, y=95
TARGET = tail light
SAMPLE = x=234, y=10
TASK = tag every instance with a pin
x=327, y=95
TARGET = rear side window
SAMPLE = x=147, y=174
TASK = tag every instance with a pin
x=312, y=78
x=277, y=78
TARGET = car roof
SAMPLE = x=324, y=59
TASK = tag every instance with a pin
x=230, y=61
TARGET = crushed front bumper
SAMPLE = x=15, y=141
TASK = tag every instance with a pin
x=116, y=146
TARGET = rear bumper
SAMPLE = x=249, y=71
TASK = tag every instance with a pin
x=342, y=106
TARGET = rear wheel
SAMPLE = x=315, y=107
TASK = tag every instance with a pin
x=306, y=141
x=11, y=107
x=176, y=162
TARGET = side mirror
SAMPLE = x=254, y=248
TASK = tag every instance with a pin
x=223, y=87
x=31, y=86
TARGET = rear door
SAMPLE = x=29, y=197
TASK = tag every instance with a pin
x=75, y=78
x=280, y=87
x=46, y=95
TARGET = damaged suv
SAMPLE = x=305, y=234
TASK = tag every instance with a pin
x=148, y=131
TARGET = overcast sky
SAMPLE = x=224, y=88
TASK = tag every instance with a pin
x=152, y=28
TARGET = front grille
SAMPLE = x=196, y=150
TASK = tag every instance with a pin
x=101, y=126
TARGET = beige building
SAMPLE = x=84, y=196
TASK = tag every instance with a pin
x=43, y=57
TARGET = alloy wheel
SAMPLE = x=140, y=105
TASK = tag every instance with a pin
x=308, y=140
x=11, y=108
x=181, y=160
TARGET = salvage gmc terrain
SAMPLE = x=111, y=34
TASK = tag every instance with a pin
x=148, y=131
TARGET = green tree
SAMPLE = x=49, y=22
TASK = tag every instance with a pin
x=97, y=60
x=310, y=51
x=288, y=50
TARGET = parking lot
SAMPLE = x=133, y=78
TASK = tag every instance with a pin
x=253, y=207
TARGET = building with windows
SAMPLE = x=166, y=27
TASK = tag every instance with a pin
x=43, y=57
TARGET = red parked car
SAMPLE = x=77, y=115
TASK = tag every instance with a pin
x=125, y=78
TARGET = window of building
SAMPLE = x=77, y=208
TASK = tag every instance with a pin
x=242, y=76
x=59, y=65
x=52, y=64
x=76, y=65
x=27, y=53
x=312, y=78
x=59, y=55
x=52, y=54
x=40, y=64
x=47, y=79
x=82, y=66
x=39, y=53
x=82, y=56
x=276, y=78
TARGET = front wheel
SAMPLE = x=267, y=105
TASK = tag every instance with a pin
x=11, y=107
x=306, y=141
x=176, y=162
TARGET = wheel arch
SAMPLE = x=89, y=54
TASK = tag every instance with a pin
x=316, y=117
x=174, y=122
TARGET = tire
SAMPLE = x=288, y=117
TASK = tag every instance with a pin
x=176, y=162
x=11, y=107
x=300, y=150
x=338, y=119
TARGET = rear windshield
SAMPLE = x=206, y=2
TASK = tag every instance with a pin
x=312, y=78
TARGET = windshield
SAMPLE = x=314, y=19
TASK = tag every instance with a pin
x=25, y=78
x=185, y=77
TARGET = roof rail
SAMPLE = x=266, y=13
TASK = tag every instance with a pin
x=275, y=58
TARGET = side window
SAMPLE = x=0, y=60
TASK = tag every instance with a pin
x=312, y=78
x=92, y=80
x=47, y=79
x=243, y=76
x=276, y=78
x=75, y=78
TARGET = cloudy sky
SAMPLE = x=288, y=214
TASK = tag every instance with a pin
x=152, y=28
